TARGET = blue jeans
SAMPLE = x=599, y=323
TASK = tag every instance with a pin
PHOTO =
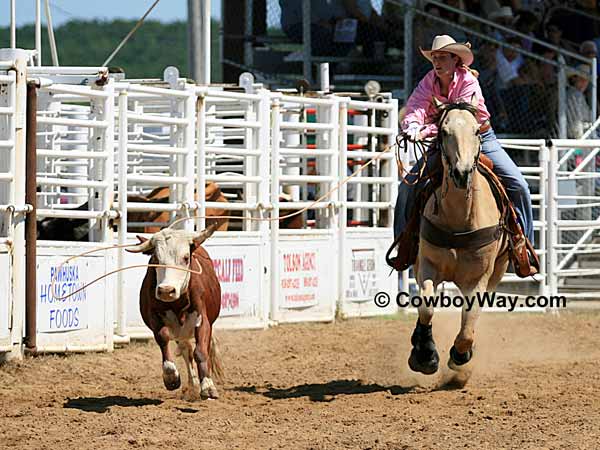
x=508, y=172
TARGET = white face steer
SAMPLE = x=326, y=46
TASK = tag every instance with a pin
x=172, y=248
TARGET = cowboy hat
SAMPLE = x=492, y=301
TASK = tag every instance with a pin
x=577, y=72
x=504, y=12
x=445, y=43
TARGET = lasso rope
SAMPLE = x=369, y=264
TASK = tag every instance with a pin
x=422, y=146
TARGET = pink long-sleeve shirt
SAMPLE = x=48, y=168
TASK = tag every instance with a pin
x=420, y=107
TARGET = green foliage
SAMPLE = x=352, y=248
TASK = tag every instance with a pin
x=153, y=46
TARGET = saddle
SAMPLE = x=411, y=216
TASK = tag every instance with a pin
x=521, y=253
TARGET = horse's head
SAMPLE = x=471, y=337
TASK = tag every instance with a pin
x=458, y=139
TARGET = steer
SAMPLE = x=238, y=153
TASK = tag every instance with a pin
x=181, y=305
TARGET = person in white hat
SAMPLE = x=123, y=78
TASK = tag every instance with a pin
x=451, y=80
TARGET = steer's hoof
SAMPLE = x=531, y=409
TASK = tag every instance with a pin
x=427, y=363
x=458, y=360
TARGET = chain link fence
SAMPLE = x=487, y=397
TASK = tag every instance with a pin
x=374, y=41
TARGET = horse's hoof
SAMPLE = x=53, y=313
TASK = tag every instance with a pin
x=428, y=365
x=172, y=383
x=208, y=389
x=171, y=376
x=457, y=360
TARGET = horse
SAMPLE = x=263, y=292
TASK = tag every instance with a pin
x=460, y=213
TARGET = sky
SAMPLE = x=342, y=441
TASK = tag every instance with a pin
x=65, y=10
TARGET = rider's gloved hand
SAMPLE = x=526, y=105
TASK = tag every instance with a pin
x=413, y=131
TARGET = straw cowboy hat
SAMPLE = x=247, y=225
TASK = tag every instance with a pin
x=445, y=43
x=504, y=12
x=577, y=72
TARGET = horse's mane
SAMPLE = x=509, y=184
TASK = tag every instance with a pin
x=447, y=107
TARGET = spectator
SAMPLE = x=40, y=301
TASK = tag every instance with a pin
x=526, y=22
x=490, y=86
x=513, y=88
x=371, y=27
x=502, y=16
x=553, y=34
x=488, y=7
x=508, y=62
x=324, y=14
x=579, y=113
x=589, y=49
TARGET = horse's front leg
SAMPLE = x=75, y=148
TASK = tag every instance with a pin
x=462, y=350
x=424, y=357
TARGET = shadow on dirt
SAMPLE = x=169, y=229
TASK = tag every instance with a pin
x=102, y=404
x=326, y=392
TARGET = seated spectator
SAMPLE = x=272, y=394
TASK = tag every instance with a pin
x=324, y=14
x=589, y=49
x=371, y=26
x=502, y=16
x=490, y=86
x=508, y=62
x=488, y=7
x=513, y=88
x=527, y=23
x=553, y=34
x=579, y=113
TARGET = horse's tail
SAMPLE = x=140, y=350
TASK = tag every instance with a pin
x=215, y=360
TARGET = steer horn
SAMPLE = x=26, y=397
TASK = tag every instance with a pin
x=205, y=234
x=144, y=246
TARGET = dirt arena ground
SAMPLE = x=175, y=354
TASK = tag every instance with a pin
x=536, y=385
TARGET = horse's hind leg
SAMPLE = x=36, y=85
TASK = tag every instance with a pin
x=424, y=357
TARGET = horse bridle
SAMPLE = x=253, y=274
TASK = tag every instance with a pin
x=440, y=140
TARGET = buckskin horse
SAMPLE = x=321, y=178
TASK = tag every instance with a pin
x=462, y=236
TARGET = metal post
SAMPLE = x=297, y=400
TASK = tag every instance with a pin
x=18, y=194
x=51, y=34
x=190, y=156
x=248, y=31
x=205, y=47
x=594, y=90
x=38, y=32
x=543, y=235
x=333, y=169
x=562, y=99
x=30, y=222
x=13, y=25
x=408, y=46
x=552, y=219
x=343, y=197
x=324, y=78
x=263, y=136
x=307, y=40
x=201, y=160
x=275, y=291
x=194, y=39
x=122, y=187
x=107, y=145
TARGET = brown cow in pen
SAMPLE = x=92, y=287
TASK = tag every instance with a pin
x=180, y=305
